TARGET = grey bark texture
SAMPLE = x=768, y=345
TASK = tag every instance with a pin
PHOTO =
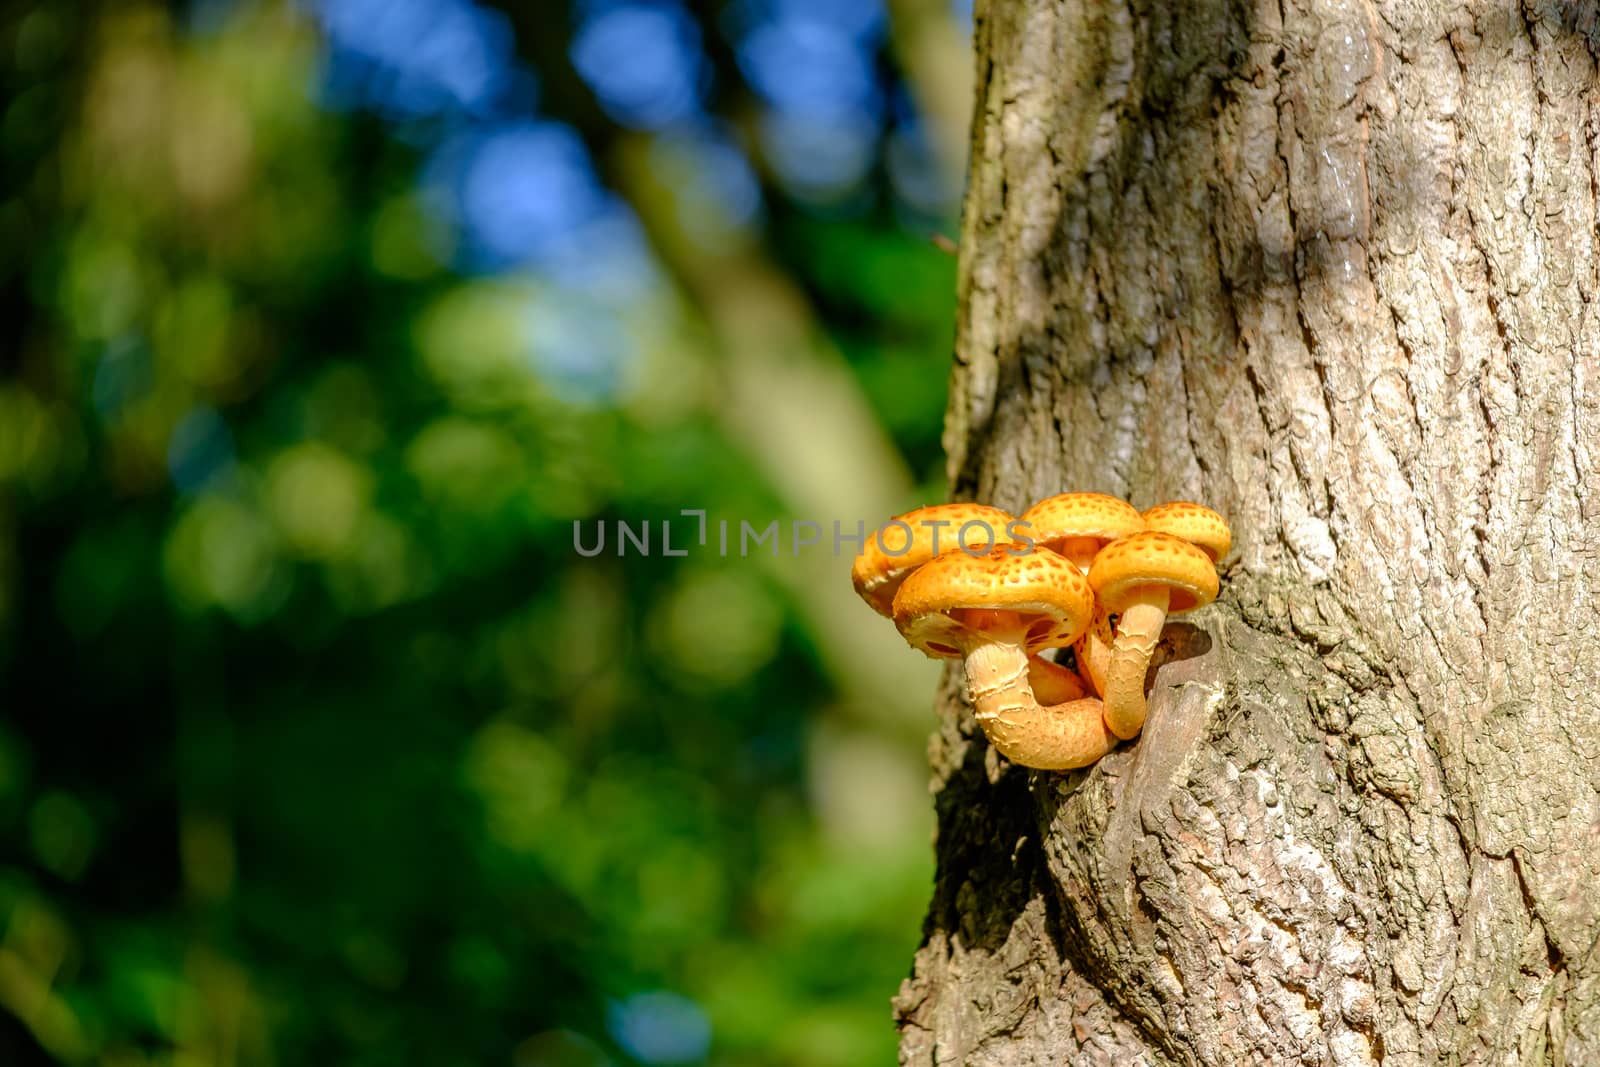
x=1329, y=267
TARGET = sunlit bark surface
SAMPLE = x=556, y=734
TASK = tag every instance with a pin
x=1330, y=268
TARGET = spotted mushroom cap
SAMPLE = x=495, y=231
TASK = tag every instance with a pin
x=1195, y=523
x=1067, y=517
x=1153, y=558
x=907, y=541
x=957, y=597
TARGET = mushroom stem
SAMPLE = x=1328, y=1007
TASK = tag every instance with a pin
x=1052, y=683
x=1138, y=630
x=1093, y=651
x=1048, y=737
x=1080, y=550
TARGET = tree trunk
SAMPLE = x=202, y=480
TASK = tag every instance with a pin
x=1330, y=268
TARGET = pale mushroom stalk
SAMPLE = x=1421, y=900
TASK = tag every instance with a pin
x=1138, y=630
x=1142, y=579
x=1080, y=550
x=1052, y=683
x=997, y=612
x=1048, y=737
x=1093, y=651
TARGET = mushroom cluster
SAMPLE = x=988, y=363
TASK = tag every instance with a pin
x=1079, y=570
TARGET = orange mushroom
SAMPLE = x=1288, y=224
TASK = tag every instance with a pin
x=1195, y=523
x=1078, y=525
x=997, y=611
x=907, y=541
x=1142, y=579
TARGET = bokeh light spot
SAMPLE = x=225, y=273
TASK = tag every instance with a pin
x=191, y=332
x=200, y=451
x=718, y=627
x=514, y=190
x=102, y=290
x=381, y=567
x=474, y=339
x=221, y=553
x=579, y=348
x=212, y=147
x=122, y=375
x=317, y=496
x=643, y=62
x=820, y=157
x=520, y=777
x=416, y=58
x=465, y=464
x=809, y=66
x=30, y=439
x=660, y=1027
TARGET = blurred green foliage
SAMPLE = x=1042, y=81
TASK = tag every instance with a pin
x=319, y=743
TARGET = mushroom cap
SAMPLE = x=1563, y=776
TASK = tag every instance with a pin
x=1195, y=523
x=890, y=554
x=956, y=597
x=1072, y=515
x=1153, y=558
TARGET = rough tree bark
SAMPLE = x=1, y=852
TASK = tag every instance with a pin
x=1329, y=267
